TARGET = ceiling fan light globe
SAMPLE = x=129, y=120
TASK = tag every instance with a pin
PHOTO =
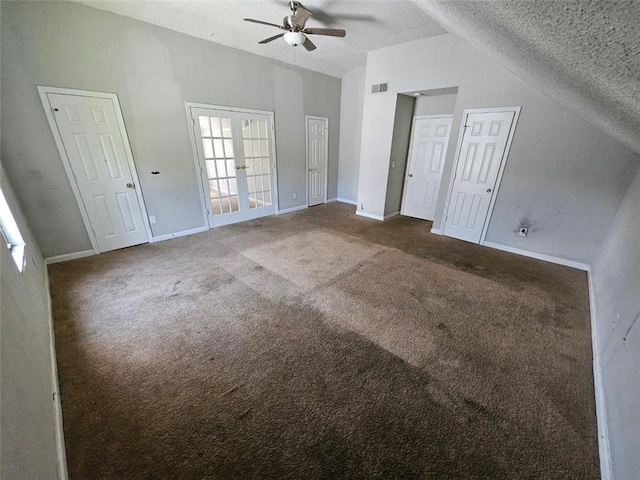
x=294, y=38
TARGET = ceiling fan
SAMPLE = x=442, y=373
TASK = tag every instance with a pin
x=296, y=33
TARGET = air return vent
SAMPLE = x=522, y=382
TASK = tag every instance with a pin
x=379, y=88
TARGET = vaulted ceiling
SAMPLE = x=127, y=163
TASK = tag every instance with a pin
x=370, y=25
x=583, y=53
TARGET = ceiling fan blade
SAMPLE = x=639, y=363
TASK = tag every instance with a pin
x=308, y=44
x=263, y=23
x=331, y=32
x=301, y=16
x=271, y=39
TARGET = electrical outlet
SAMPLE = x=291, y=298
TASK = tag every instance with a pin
x=152, y=219
x=294, y=195
x=523, y=231
x=393, y=164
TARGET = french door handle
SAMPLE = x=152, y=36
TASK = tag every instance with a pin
x=241, y=167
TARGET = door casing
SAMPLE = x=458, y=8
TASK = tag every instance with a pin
x=503, y=161
x=43, y=91
x=306, y=149
x=194, y=148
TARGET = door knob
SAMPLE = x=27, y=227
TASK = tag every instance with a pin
x=488, y=190
x=411, y=174
x=129, y=185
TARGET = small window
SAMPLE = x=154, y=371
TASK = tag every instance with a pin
x=11, y=235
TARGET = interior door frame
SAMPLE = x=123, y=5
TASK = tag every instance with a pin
x=503, y=161
x=413, y=122
x=306, y=154
x=205, y=204
x=48, y=110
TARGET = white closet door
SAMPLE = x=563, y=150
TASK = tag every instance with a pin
x=427, y=153
x=481, y=154
x=95, y=147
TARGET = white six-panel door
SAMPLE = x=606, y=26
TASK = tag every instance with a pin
x=427, y=153
x=482, y=152
x=317, y=159
x=94, y=146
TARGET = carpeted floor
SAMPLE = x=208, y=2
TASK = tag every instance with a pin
x=323, y=345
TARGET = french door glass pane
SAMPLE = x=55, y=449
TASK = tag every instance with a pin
x=257, y=160
x=217, y=142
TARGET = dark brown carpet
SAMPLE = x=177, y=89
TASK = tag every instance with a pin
x=323, y=345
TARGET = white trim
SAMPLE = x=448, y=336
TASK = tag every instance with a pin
x=183, y=233
x=203, y=205
x=604, y=448
x=539, y=256
x=306, y=148
x=346, y=200
x=331, y=200
x=113, y=97
x=503, y=162
x=391, y=215
x=68, y=256
x=292, y=209
x=370, y=215
x=436, y=231
x=407, y=163
x=57, y=404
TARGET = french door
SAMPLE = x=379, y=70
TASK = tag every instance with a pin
x=236, y=163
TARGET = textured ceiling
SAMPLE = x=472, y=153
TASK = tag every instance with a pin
x=583, y=53
x=369, y=24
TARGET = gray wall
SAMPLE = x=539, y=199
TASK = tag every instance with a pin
x=616, y=285
x=435, y=104
x=27, y=438
x=153, y=71
x=564, y=177
x=352, y=99
x=402, y=121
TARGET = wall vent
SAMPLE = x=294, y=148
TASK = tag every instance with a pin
x=379, y=88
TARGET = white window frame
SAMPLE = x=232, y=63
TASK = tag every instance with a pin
x=11, y=234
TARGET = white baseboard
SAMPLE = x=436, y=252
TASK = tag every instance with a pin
x=68, y=256
x=369, y=215
x=391, y=215
x=436, y=231
x=346, y=200
x=183, y=233
x=292, y=209
x=601, y=412
x=55, y=387
x=331, y=200
x=539, y=256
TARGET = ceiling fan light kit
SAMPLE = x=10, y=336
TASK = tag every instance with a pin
x=296, y=33
x=294, y=38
